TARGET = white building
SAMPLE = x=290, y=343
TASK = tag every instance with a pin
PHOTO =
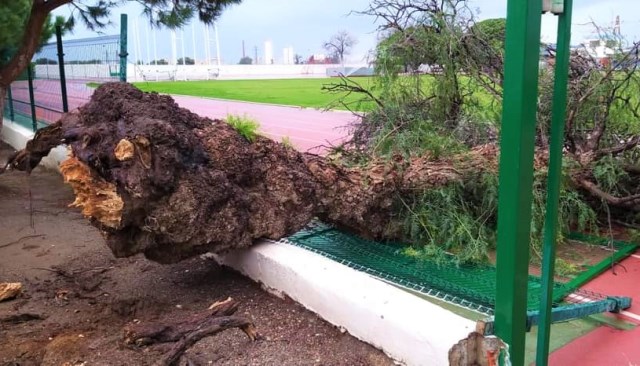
x=268, y=52
x=288, y=56
x=598, y=49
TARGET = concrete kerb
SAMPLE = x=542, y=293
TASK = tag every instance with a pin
x=410, y=330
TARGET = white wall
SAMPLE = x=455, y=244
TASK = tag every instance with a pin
x=208, y=72
x=85, y=72
x=189, y=72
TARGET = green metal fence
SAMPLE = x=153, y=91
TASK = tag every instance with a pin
x=61, y=74
x=470, y=286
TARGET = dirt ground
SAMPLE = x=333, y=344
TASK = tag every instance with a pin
x=77, y=298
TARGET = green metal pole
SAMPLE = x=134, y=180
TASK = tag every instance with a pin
x=554, y=178
x=63, y=78
x=123, y=47
x=516, y=172
x=12, y=115
x=32, y=99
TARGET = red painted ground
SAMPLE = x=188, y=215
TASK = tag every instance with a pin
x=606, y=346
x=307, y=129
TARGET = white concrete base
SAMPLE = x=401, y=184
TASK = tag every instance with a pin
x=410, y=330
x=17, y=136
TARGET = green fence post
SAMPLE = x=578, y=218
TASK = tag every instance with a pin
x=12, y=115
x=32, y=99
x=522, y=56
x=63, y=79
x=554, y=178
x=123, y=47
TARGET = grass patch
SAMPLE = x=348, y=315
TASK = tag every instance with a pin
x=247, y=127
x=93, y=85
x=296, y=92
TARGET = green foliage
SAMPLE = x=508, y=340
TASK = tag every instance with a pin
x=567, y=269
x=405, y=50
x=458, y=106
x=461, y=218
x=298, y=92
x=492, y=32
x=245, y=61
x=13, y=19
x=286, y=141
x=175, y=14
x=246, y=126
x=458, y=219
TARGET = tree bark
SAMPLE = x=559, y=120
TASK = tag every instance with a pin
x=10, y=71
x=30, y=41
x=3, y=93
x=160, y=180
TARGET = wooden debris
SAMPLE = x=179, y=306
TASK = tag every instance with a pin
x=10, y=290
x=476, y=350
x=186, y=331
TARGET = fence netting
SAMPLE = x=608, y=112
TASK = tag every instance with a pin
x=36, y=98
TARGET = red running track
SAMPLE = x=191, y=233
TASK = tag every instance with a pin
x=308, y=129
x=606, y=346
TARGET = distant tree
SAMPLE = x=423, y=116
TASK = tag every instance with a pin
x=159, y=62
x=405, y=50
x=93, y=61
x=246, y=61
x=187, y=61
x=492, y=31
x=297, y=59
x=340, y=45
x=45, y=61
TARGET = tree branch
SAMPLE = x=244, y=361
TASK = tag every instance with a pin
x=627, y=202
x=619, y=148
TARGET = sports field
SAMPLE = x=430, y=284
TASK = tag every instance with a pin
x=296, y=92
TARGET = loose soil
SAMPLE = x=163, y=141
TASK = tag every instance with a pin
x=78, y=297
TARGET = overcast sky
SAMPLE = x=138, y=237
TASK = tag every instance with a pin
x=304, y=25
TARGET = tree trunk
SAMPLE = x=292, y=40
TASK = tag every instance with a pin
x=160, y=180
x=3, y=93
x=30, y=40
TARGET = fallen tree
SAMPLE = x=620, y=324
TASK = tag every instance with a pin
x=160, y=180
x=163, y=181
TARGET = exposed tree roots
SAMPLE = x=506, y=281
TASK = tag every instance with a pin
x=185, y=332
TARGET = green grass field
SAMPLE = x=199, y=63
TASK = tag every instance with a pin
x=296, y=92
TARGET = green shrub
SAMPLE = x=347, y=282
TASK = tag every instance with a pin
x=246, y=126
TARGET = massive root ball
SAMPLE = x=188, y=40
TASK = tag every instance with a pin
x=161, y=180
